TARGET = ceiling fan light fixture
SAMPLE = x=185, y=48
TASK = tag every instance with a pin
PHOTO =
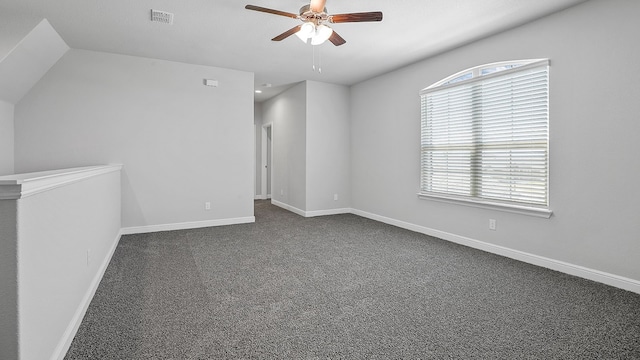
x=313, y=16
x=306, y=31
x=322, y=34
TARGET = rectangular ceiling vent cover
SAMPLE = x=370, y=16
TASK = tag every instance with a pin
x=162, y=17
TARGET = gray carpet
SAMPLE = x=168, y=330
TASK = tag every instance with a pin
x=339, y=287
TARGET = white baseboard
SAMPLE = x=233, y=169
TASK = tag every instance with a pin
x=288, y=207
x=561, y=266
x=311, y=213
x=186, y=225
x=327, y=212
x=63, y=346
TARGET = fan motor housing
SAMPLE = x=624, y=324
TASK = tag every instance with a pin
x=306, y=14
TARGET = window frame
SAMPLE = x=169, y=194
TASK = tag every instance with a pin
x=451, y=81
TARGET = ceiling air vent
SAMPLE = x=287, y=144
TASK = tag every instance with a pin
x=162, y=17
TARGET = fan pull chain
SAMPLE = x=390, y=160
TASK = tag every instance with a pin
x=313, y=66
x=313, y=58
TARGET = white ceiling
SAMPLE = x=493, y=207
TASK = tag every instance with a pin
x=222, y=33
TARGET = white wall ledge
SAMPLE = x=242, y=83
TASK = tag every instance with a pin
x=18, y=186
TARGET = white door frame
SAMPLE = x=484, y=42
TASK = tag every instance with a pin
x=263, y=176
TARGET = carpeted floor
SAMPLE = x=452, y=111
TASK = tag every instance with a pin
x=338, y=287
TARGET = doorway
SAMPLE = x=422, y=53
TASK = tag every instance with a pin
x=267, y=160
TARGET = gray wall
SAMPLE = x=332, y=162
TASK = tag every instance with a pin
x=287, y=114
x=327, y=146
x=594, y=127
x=181, y=143
x=6, y=138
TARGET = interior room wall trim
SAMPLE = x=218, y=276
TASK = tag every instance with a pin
x=293, y=209
x=312, y=213
x=186, y=225
x=327, y=212
x=35, y=183
x=557, y=265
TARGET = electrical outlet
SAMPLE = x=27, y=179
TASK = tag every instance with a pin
x=492, y=224
x=281, y=192
x=207, y=205
x=335, y=197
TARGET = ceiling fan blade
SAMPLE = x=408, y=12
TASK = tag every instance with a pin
x=271, y=11
x=287, y=33
x=356, y=17
x=336, y=39
x=317, y=5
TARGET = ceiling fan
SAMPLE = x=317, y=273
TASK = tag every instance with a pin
x=314, y=18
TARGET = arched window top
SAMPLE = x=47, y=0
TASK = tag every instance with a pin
x=484, y=70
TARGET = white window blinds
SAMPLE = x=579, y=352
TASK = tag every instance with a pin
x=486, y=138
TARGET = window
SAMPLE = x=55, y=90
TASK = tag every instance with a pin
x=484, y=137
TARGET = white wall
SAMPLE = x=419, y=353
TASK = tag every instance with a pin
x=310, y=147
x=58, y=234
x=181, y=143
x=6, y=138
x=594, y=126
x=29, y=46
x=55, y=230
x=287, y=114
x=328, y=157
x=257, y=121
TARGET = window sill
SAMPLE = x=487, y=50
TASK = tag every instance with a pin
x=518, y=209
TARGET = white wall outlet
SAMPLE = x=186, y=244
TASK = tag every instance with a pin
x=492, y=224
x=281, y=191
x=335, y=197
x=207, y=205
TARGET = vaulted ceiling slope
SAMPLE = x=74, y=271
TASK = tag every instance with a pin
x=29, y=47
x=223, y=33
